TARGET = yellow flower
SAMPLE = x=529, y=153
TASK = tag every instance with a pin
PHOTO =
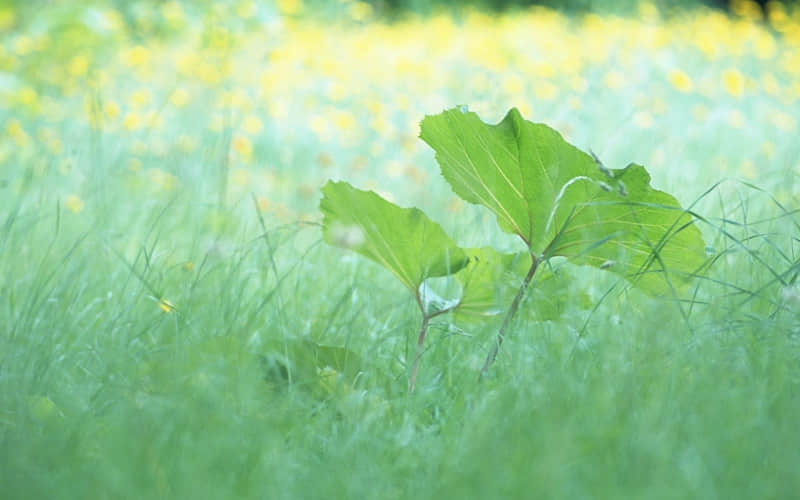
x=768, y=148
x=166, y=305
x=162, y=180
x=360, y=11
x=614, y=80
x=7, y=18
x=186, y=144
x=111, y=109
x=243, y=146
x=173, y=13
x=74, y=204
x=263, y=204
x=179, y=98
x=252, y=125
x=643, y=119
x=16, y=132
x=246, y=10
x=132, y=121
x=136, y=56
x=240, y=177
x=78, y=65
x=545, y=90
x=290, y=7
x=140, y=98
x=680, y=80
x=733, y=82
x=748, y=169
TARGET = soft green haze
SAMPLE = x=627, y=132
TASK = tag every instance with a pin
x=174, y=323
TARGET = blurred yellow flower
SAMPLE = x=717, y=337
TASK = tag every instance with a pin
x=132, y=121
x=360, y=11
x=680, y=80
x=545, y=90
x=17, y=133
x=289, y=7
x=252, y=125
x=78, y=65
x=262, y=203
x=768, y=148
x=173, y=13
x=242, y=146
x=140, y=98
x=27, y=97
x=747, y=9
x=111, y=110
x=179, y=98
x=23, y=45
x=513, y=84
x=7, y=18
x=166, y=305
x=162, y=180
x=344, y=120
x=240, y=177
x=733, y=82
x=74, y=204
x=186, y=144
x=136, y=56
x=748, y=169
x=246, y=9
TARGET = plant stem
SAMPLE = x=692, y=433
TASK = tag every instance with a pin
x=512, y=311
x=423, y=329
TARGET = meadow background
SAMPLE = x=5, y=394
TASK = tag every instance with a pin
x=172, y=326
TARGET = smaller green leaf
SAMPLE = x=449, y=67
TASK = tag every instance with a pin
x=403, y=240
x=489, y=283
x=492, y=279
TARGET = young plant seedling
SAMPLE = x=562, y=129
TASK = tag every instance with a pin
x=561, y=201
x=557, y=199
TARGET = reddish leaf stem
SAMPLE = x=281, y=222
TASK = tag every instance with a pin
x=422, y=331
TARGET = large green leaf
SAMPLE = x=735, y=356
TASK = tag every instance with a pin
x=561, y=201
x=403, y=240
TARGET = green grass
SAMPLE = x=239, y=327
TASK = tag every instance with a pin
x=282, y=370
x=106, y=395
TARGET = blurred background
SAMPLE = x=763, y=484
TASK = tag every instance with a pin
x=160, y=166
x=227, y=100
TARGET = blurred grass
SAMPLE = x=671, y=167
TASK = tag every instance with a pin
x=156, y=340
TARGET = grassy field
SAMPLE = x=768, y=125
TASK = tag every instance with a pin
x=173, y=326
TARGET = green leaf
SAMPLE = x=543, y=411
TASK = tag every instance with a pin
x=306, y=359
x=492, y=279
x=489, y=283
x=403, y=240
x=561, y=201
